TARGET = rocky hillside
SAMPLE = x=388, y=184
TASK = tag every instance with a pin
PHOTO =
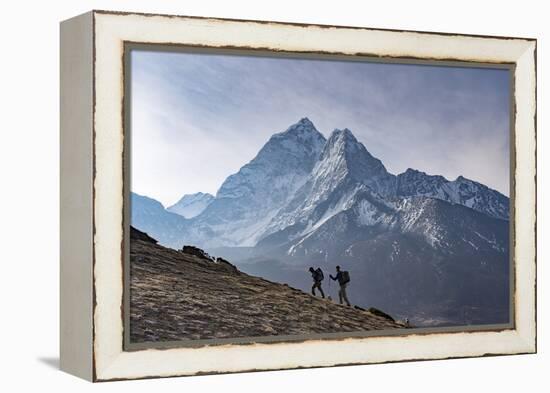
x=177, y=295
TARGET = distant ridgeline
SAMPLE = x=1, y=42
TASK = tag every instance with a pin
x=419, y=246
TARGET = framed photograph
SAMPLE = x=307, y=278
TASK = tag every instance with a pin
x=247, y=195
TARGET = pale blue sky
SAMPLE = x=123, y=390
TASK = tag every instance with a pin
x=197, y=118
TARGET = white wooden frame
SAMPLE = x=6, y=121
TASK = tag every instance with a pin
x=92, y=194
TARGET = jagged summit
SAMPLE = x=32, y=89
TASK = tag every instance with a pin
x=300, y=136
x=342, y=142
x=304, y=122
x=344, y=155
x=288, y=153
x=301, y=127
x=344, y=133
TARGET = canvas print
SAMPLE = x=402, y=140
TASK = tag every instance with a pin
x=282, y=197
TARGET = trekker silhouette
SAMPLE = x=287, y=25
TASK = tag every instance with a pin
x=317, y=275
x=343, y=279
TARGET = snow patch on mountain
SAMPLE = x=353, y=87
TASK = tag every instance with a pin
x=367, y=213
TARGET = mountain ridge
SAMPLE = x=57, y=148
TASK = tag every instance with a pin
x=298, y=170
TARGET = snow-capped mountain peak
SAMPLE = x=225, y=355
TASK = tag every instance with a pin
x=343, y=143
x=249, y=199
x=345, y=168
x=344, y=155
x=345, y=134
x=286, y=153
x=191, y=205
x=298, y=139
x=301, y=127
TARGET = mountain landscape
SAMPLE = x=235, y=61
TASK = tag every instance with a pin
x=419, y=246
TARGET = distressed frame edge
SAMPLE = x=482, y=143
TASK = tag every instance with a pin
x=304, y=24
x=527, y=339
x=525, y=188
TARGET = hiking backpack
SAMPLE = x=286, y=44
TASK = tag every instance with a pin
x=345, y=277
x=319, y=274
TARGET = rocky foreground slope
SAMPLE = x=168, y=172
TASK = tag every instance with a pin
x=177, y=295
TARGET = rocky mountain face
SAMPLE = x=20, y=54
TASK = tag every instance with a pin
x=175, y=295
x=461, y=191
x=418, y=245
x=191, y=205
x=344, y=173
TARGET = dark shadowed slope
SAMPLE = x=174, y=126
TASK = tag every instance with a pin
x=179, y=296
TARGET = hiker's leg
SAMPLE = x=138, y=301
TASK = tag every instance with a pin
x=321, y=290
x=345, y=295
x=313, y=290
x=340, y=295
